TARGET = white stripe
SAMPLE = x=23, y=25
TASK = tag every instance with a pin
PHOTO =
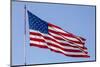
x=69, y=53
x=37, y=42
x=34, y=36
x=54, y=28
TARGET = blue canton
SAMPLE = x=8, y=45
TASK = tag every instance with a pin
x=35, y=23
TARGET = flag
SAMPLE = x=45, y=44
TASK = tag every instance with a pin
x=54, y=38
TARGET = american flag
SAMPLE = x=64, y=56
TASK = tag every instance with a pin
x=54, y=38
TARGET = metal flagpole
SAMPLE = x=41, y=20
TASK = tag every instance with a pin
x=25, y=35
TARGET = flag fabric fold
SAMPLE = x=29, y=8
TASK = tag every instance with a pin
x=54, y=38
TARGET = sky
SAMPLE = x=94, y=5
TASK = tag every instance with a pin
x=79, y=20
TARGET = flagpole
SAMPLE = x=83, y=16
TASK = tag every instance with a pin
x=25, y=35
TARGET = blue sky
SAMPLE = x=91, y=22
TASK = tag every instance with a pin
x=79, y=20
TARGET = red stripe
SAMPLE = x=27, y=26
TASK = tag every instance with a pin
x=37, y=39
x=65, y=44
x=37, y=45
x=34, y=33
x=81, y=56
x=51, y=25
x=76, y=42
x=84, y=48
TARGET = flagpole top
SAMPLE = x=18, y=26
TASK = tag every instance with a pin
x=24, y=6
